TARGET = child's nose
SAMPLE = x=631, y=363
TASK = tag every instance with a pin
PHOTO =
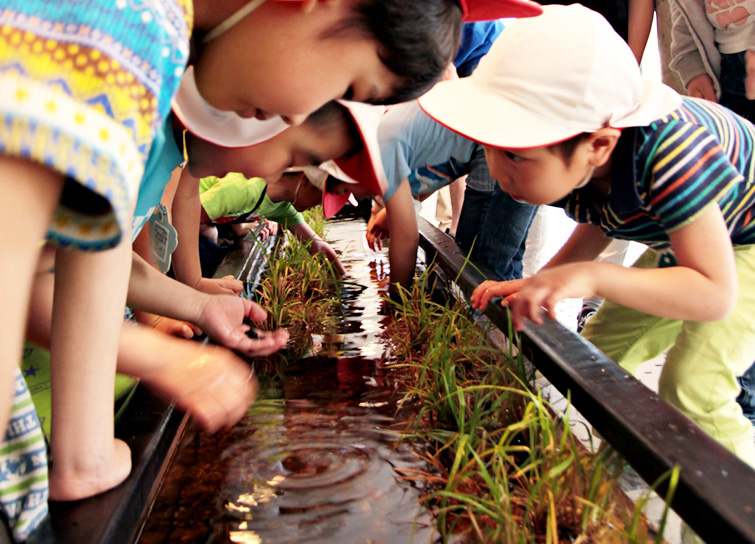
x=293, y=120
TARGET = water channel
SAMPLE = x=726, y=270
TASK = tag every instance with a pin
x=317, y=459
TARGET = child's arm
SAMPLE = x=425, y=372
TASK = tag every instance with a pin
x=640, y=22
x=220, y=316
x=210, y=383
x=585, y=244
x=186, y=217
x=317, y=245
x=402, y=253
x=702, y=287
x=377, y=229
x=687, y=52
x=750, y=78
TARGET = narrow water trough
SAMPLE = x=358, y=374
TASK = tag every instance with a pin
x=316, y=459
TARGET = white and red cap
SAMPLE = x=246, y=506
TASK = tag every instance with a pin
x=547, y=79
x=364, y=168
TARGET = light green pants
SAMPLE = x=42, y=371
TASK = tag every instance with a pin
x=703, y=359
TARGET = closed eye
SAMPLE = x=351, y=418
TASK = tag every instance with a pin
x=513, y=157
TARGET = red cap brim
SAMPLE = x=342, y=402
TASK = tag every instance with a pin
x=332, y=203
x=489, y=10
x=366, y=166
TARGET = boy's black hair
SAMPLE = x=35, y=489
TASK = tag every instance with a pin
x=567, y=147
x=334, y=113
x=417, y=39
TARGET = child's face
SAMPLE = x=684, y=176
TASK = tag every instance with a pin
x=279, y=61
x=306, y=195
x=537, y=175
x=302, y=145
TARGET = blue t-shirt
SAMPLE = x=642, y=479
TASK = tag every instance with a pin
x=414, y=146
x=164, y=156
x=476, y=40
x=410, y=140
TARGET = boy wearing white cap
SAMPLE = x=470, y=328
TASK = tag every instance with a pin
x=350, y=164
x=567, y=119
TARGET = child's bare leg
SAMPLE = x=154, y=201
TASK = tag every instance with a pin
x=24, y=220
x=210, y=383
x=90, y=294
x=750, y=78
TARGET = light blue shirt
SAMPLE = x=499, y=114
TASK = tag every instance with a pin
x=409, y=140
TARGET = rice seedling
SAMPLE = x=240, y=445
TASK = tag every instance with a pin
x=301, y=293
x=504, y=467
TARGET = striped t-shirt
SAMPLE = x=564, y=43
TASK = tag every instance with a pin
x=663, y=175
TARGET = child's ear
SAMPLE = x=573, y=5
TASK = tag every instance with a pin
x=601, y=143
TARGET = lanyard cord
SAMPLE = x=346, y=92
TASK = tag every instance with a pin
x=232, y=20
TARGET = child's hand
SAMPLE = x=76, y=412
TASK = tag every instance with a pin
x=547, y=288
x=377, y=230
x=222, y=319
x=329, y=253
x=227, y=285
x=702, y=87
x=490, y=289
x=174, y=327
x=750, y=80
x=271, y=228
x=211, y=384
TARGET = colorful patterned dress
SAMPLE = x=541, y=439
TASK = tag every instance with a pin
x=84, y=88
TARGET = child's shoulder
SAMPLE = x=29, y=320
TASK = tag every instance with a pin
x=701, y=112
x=698, y=119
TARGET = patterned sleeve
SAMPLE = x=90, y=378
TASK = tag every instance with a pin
x=687, y=169
x=84, y=87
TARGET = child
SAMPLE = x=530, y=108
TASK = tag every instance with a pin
x=283, y=201
x=420, y=156
x=341, y=130
x=83, y=89
x=627, y=158
x=280, y=202
x=713, y=51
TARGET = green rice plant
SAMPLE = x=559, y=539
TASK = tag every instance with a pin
x=504, y=468
x=301, y=293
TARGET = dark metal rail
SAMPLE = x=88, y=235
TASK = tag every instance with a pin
x=716, y=491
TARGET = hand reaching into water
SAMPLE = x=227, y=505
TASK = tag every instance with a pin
x=222, y=319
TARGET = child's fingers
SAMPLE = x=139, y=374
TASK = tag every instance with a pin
x=253, y=311
x=480, y=296
x=260, y=347
x=488, y=289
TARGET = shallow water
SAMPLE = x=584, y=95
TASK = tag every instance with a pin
x=316, y=460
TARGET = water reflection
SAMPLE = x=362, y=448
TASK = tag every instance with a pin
x=321, y=475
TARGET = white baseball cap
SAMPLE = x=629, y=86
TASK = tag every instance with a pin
x=548, y=78
x=219, y=127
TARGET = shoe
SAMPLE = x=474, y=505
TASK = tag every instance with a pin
x=584, y=316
